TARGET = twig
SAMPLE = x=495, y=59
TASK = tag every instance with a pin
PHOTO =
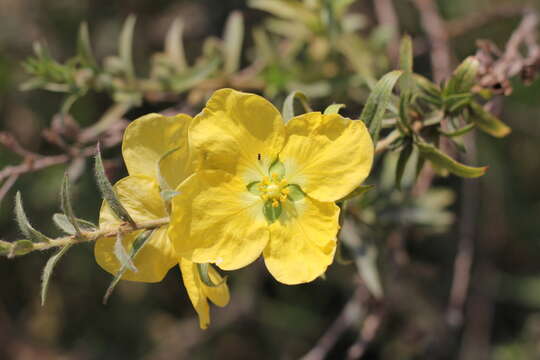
x=371, y=326
x=436, y=31
x=463, y=25
x=7, y=185
x=350, y=314
x=13, y=145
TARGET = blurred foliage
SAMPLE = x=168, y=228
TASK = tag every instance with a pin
x=174, y=54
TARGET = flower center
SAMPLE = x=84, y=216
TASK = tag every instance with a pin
x=274, y=189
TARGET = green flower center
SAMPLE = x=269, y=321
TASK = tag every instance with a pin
x=275, y=191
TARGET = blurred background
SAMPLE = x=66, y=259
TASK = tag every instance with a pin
x=414, y=235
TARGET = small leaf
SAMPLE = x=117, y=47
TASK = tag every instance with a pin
x=443, y=161
x=84, y=49
x=48, y=269
x=232, y=41
x=270, y=212
x=108, y=192
x=288, y=105
x=62, y=222
x=277, y=168
x=161, y=180
x=333, y=109
x=361, y=190
x=24, y=225
x=65, y=202
x=457, y=102
x=488, y=122
x=168, y=195
x=253, y=187
x=4, y=248
x=404, y=156
x=121, y=254
x=406, y=54
x=205, y=276
x=138, y=244
x=195, y=75
x=459, y=132
x=378, y=102
x=463, y=78
x=174, y=46
x=295, y=192
x=22, y=247
x=125, y=46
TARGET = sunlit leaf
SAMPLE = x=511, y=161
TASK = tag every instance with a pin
x=48, y=269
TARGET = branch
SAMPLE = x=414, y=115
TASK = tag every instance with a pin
x=463, y=25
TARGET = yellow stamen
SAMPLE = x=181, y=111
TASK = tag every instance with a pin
x=266, y=180
x=264, y=197
x=274, y=176
x=275, y=203
x=285, y=191
x=283, y=197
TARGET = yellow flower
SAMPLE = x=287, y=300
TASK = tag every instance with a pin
x=266, y=187
x=145, y=141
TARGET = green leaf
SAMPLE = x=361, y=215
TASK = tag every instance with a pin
x=24, y=225
x=253, y=187
x=488, y=122
x=138, y=244
x=430, y=91
x=48, y=269
x=65, y=201
x=62, y=222
x=288, y=105
x=232, y=42
x=108, y=192
x=174, y=46
x=404, y=156
x=378, y=102
x=361, y=190
x=459, y=132
x=161, y=180
x=190, y=78
x=270, y=212
x=277, y=168
x=22, y=247
x=205, y=277
x=333, y=109
x=125, y=46
x=457, y=102
x=84, y=49
x=463, y=78
x=121, y=254
x=4, y=248
x=443, y=161
x=295, y=192
x=406, y=54
x=168, y=195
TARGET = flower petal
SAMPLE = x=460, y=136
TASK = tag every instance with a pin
x=327, y=155
x=198, y=292
x=147, y=138
x=239, y=133
x=217, y=220
x=140, y=196
x=303, y=242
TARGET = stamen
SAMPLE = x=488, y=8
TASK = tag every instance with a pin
x=275, y=203
x=274, y=176
x=266, y=180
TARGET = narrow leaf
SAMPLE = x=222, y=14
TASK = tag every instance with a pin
x=205, y=276
x=174, y=45
x=404, y=156
x=21, y=247
x=443, y=161
x=488, y=122
x=378, y=102
x=361, y=190
x=125, y=46
x=121, y=254
x=84, y=49
x=333, y=109
x=138, y=244
x=232, y=42
x=65, y=201
x=288, y=104
x=161, y=180
x=459, y=132
x=463, y=78
x=108, y=192
x=24, y=225
x=48, y=269
x=406, y=54
x=62, y=222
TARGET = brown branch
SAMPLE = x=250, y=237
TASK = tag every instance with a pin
x=371, y=326
x=463, y=25
x=435, y=29
x=7, y=185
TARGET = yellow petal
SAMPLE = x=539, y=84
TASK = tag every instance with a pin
x=303, y=242
x=327, y=155
x=196, y=294
x=140, y=196
x=235, y=130
x=147, y=138
x=216, y=220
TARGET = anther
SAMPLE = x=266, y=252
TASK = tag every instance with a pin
x=275, y=203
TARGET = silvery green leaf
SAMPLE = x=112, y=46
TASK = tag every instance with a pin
x=84, y=49
x=377, y=103
x=205, y=276
x=65, y=201
x=121, y=254
x=48, y=269
x=138, y=244
x=62, y=222
x=108, y=192
x=21, y=247
x=333, y=109
x=24, y=225
x=126, y=45
x=174, y=46
x=463, y=78
x=161, y=180
x=288, y=104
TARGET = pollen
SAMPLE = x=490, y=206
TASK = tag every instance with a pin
x=273, y=188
